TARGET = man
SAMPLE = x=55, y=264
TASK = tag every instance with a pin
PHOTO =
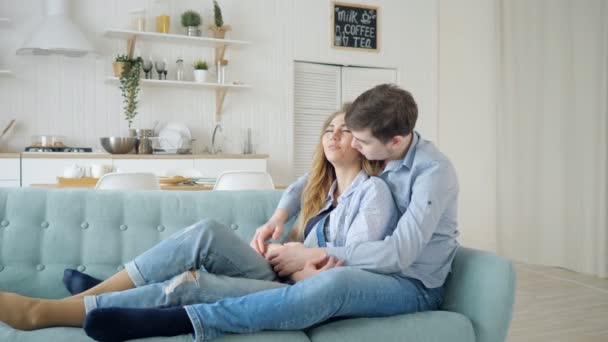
x=424, y=187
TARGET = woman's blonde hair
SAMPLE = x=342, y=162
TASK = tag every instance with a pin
x=320, y=178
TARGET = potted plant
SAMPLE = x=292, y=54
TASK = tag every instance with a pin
x=191, y=20
x=129, y=86
x=200, y=71
x=121, y=65
x=219, y=29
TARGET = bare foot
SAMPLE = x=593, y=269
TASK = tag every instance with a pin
x=17, y=310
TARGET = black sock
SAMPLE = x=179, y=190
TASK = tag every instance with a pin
x=77, y=282
x=120, y=324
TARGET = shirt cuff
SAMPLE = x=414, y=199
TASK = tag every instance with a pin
x=339, y=253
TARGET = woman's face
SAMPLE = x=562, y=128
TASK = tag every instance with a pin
x=337, y=143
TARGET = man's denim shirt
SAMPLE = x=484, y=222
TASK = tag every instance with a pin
x=365, y=212
x=422, y=246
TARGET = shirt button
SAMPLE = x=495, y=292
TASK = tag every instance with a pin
x=123, y=227
x=84, y=225
x=234, y=226
x=44, y=225
x=4, y=223
x=40, y=267
x=160, y=228
x=81, y=268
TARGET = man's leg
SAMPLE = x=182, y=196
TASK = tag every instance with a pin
x=339, y=292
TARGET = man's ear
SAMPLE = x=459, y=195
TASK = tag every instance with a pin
x=396, y=140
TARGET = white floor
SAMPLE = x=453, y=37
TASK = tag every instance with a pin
x=554, y=304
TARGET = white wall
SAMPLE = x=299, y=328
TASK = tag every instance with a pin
x=468, y=73
x=58, y=95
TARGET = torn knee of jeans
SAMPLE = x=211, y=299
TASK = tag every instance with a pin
x=186, y=277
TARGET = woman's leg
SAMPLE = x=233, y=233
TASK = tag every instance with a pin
x=206, y=244
x=26, y=313
x=191, y=287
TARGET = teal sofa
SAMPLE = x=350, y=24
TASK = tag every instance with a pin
x=43, y=232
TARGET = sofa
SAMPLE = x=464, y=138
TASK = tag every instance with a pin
x=44, y=231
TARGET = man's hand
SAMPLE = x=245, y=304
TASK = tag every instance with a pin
x=263, y=233
x=292, y=257
x=316, y=266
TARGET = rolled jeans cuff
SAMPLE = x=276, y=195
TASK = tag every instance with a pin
x=90, y=303
x=197, y=325
x=133, y=272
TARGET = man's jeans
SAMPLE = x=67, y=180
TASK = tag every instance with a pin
x=337, y=292
x=228, y=288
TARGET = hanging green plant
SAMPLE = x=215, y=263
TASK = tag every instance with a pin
x=129, y=86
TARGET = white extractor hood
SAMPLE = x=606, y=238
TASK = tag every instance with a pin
x=56, y=34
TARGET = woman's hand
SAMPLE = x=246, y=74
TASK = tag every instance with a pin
x=273, y=228
x=292, y=257
x=316, y=266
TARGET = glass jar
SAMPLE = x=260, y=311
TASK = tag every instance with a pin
x=163, y=20
x=138, y=20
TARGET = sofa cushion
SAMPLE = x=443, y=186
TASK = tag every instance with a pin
x=78, y=335
x=436, y=326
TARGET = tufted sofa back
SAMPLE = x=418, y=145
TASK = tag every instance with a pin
x=43, y=232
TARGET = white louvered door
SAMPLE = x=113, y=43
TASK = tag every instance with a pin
x=319, y=90
x=316, y=95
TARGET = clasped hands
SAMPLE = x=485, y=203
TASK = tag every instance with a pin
x=292, y=258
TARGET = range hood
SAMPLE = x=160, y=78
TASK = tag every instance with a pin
x=56, y=34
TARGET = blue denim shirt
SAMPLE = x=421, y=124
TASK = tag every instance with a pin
x=365, y=212
x=423, y=244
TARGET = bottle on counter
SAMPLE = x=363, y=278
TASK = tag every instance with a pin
x=179, y=69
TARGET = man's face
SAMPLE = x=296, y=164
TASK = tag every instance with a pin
x=369, y=146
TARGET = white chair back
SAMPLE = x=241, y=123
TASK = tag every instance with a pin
x=128, y=181
x=244, y=180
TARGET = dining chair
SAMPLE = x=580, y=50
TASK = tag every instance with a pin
x=128, y=181
x=244, y=180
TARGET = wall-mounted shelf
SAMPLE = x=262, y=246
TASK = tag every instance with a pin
x=182, y=84
x=174, y=38
x=6, y=73
x=218, y=44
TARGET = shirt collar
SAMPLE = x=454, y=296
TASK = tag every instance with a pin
x=408, y=160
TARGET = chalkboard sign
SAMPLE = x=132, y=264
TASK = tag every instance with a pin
x=354, y=26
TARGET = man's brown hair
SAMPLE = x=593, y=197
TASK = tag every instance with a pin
x=386, y=110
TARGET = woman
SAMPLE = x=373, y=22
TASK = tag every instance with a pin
x=206, y=262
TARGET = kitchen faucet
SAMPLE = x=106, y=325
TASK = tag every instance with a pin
x=215, y=149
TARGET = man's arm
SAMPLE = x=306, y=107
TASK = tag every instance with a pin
x=432, y=192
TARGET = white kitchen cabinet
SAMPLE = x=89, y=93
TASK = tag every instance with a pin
x=214, y=167
x=46, y=170
x=157, y=166
x=10, y=169
x=9, y=184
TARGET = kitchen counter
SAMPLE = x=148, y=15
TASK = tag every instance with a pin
x=61, y=155
x=10, y=155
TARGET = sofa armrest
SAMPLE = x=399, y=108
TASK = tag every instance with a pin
x=482, y=287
